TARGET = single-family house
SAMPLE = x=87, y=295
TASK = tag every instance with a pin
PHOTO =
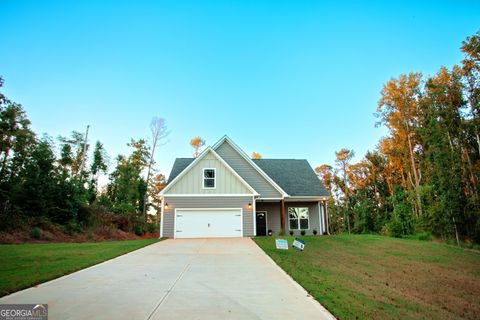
x=225, y=193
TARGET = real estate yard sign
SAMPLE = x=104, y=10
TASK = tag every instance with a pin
x=281, y=244
x=298, y=244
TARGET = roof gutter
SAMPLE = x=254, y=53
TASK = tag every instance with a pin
x=306, y=198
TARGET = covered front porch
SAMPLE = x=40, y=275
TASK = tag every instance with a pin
x=297, y=215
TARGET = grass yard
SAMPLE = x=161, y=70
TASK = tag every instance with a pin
x=376, y=277
x=25, y=265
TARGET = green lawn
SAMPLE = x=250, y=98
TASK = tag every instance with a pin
x=376, y=277
x=25, y=265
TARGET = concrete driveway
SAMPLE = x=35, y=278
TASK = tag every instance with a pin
x=178, y=279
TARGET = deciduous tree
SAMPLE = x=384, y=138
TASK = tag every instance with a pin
x=398, y=109
x=159, y=130
x=343, y=158
x=197, y=143
x=256, y=155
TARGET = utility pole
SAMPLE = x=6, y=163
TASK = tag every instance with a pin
x=84, y=152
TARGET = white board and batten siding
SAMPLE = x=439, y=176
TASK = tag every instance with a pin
x=192, y=182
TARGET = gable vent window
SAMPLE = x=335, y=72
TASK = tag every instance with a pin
x=209, y=178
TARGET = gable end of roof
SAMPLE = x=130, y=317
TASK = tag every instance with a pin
x=185, y=164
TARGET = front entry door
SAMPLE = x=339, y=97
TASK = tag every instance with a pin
x=261, y=222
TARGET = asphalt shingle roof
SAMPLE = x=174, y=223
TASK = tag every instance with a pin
x=178, y=166
x=295, y=177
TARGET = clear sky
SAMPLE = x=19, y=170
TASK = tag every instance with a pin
x=288, y=79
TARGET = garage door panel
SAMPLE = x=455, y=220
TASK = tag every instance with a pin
x=208, y=223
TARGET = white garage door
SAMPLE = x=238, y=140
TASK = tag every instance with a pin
x=208, y=223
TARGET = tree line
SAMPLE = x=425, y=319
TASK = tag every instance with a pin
x=46, y=181
x=423, y=176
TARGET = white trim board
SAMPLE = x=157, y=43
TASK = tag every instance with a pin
x=161, y=217
x=214, y=179
x=254, y=214
x=250, y=161
x=210, y=209
x=197, y=159
x=306, y=198
x=323, y=197
x=212, y=195
x=288, y=218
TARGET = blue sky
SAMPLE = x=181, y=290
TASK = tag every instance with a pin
x=288, y=79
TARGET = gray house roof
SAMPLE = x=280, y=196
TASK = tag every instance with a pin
x=178, y=166
x=295, y=177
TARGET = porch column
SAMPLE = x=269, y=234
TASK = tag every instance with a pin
x=320, y=217
x=282, y=215
x=325, y=217
x=254, y=214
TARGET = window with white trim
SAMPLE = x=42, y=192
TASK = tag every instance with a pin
x=299, y=218
x=209, y=176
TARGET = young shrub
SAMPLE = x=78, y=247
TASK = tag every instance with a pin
x=72, y=227
x=291, y=232
x=86, y=216
x=395, y=228
x=315, y=232
x=385, y=231
x=425, y=236
x=152, y=228
x=36, y=233
x=302, y=232
x=138, y=230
